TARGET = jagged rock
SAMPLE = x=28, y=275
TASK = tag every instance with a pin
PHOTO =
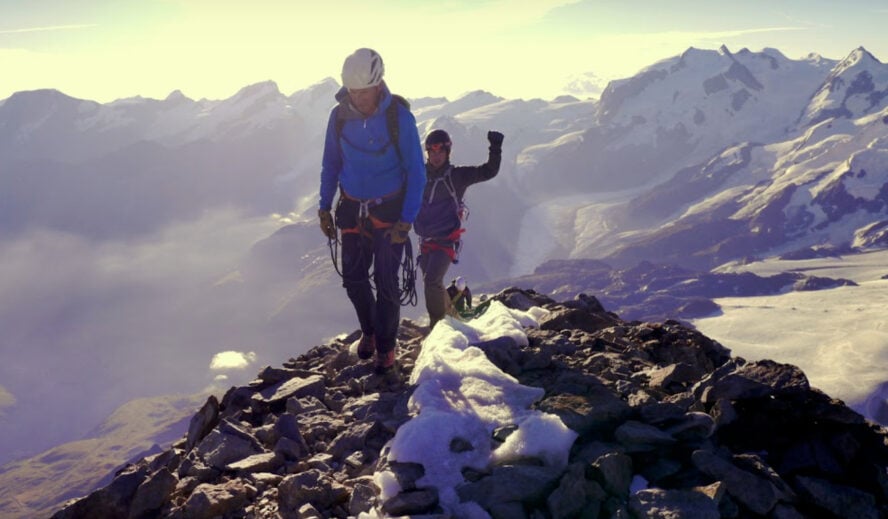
x=503, y=352
x=755, y=493
x=598, y=410
x=202, y=422
x=153, y=493
x=313, y=487
x=287, y=426
x=109, y=502
x=354, y=438
x=227, y=444
x=363, y=499
x=412, y=502
x=306, y=405
x=693, y=426
x=308, y=511
x=294, y=387
x=576, y=318
x=640, y=437
x=659, y=412
x=754, y=380
x=264, y=462
x=270, y=375
x=521, y=299
x=661, y=504
x=614, y=471
x=208, y=501
x=674, y=378
x=406, y=473
x=574, y=494
x=524, y=483
x=840, y=500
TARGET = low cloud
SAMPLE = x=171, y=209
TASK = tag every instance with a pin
x=7, y=400
x=86, y=326
x=226, y=360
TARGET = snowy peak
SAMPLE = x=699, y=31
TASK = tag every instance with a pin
x=584, y=85
x=176, y=97
x=35, y=105
x=706, y=98
x=858, y=56
x=674, y=85
x=474, y=99
x=321, y=92
x=856, y=86
x=256, y=92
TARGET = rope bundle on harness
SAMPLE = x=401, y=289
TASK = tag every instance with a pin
x=406, y=292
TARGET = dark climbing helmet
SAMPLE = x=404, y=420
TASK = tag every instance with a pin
x=436, y=140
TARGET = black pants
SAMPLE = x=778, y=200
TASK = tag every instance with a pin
x=363, y=247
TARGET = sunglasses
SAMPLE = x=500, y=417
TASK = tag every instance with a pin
x=438, y=147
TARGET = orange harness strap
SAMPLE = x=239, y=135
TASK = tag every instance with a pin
x=375, y=222
x=364, y=213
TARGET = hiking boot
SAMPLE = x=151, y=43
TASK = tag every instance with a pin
x=367, y=347
x=385, y=361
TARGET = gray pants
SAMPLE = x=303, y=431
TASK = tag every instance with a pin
x=434, y=265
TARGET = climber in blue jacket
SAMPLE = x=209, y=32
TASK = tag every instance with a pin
x=373, y=157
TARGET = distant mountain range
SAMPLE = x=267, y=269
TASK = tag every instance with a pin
x=698, y=160
x=784, y=153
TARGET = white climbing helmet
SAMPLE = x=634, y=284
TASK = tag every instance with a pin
x=460, y=283
x=362, y=69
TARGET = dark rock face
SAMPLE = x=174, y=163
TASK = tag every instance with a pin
x=668, y=424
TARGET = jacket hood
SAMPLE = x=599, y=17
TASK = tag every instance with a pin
x=348, y=111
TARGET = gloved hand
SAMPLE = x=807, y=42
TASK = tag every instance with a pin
x=496, y=140
x=327, y=225
x=398, y=233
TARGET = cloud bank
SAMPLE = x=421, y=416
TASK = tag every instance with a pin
x=86, y=326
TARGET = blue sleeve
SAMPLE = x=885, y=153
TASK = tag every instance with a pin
x=331, y=165
x=414, y=165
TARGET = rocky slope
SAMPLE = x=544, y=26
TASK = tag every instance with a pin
x=668, y=424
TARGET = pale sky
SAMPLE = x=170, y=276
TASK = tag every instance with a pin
x=109, y=49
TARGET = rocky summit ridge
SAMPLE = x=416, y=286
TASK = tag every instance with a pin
x=667, y=424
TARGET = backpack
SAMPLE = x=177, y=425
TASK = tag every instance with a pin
x=391, y=122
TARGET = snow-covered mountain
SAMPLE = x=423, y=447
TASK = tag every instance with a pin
x=677, y=143
x=673, y=114
x=712, y=157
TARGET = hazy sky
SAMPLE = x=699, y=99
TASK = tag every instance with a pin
x=108, y=49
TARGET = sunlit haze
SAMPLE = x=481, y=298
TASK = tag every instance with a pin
x=105, y=50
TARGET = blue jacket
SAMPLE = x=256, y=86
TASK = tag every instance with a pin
x=365, y=163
